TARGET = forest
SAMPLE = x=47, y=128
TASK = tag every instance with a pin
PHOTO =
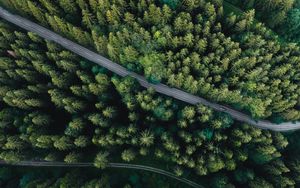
x=225, y=58
x=57, y=106
x=60, y=177
x=281, y=15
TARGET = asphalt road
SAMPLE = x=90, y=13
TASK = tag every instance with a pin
x=118, y=69
x=110, y=165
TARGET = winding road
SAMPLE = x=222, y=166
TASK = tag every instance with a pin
x=160, y=88
x=110, y=165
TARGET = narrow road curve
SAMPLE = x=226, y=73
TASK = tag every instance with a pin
x=110, y=165
x=160, y=88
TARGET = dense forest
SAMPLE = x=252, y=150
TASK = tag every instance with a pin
x=56, y=106
x=190, y=45
x=25, y=177
x=281, y=15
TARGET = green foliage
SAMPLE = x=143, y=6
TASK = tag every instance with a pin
x=128, y=155
x=101, y=160
x=208, y=133
x=59, y=107
x=243, y=175
x=272, y=12
x=196, y=55
x=153, y=66
x=291, y=28
x=221, y=181
x=171, y=3
x=147, y=138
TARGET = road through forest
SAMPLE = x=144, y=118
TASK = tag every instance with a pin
x=110, y=165
x=121, y=71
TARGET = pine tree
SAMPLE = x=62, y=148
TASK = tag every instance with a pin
x=146, y=138
x=128, y=155
x=37, y=13
x=101, y=160
x=69, y=6
x=72, y=157
x=63, y=143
